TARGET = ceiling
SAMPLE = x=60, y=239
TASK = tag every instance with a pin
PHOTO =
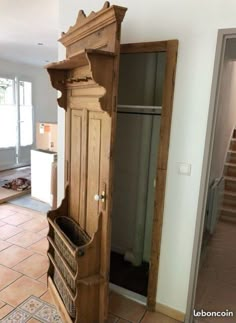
x=24, y=24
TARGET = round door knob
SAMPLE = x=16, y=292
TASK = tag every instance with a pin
x=97, y=197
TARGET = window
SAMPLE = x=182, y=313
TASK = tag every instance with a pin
x=8, y=114
x=16, y=112
x=26, y=126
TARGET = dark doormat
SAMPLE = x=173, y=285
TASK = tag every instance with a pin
x=124, y=274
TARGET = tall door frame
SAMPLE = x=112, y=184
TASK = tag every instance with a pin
x=170, y=47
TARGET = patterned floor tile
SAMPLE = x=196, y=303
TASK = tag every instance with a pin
x=33, y=310
x=16, y=316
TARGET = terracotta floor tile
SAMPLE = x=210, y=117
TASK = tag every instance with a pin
x=34, y=225
x=33, y=321
x=7, y=231
x=112, y=318
x=2, y=223
x=43, y=279
x=5, y=310
x=2, y=304
x=13, y=255
x=25, y=238
x=151, y=317
x=33, y=213
x=5, y=212
x=21, y=289
x=11, y=207
x=47, y=298
x=41, y=246
x=44, y=232
x=17, y=218
x=34, y=266
x=4, y=245
x=126, y=308
x=7, y=276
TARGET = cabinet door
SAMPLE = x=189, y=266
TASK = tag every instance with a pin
x=98, y=170
x=90, y=177
x=89, y=167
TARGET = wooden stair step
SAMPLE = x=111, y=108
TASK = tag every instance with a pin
x=233, y=144
x=231, y=156
x=226, y=218
x=229, y=193
x=228, y=211
x=230, y=169
x=229, y=199
x=230, y=178
x=230, y=164
x=233, y=152
x=234, y=133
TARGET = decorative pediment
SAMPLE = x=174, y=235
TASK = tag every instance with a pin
x=98, y=30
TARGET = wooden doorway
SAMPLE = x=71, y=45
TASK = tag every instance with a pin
x=170, y=49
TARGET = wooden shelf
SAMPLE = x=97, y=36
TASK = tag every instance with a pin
x=79, y=59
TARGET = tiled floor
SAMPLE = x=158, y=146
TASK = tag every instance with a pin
x=23, y=267
x=216, y=289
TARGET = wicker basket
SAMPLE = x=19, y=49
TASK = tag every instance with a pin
x=69, y=303
x=63, y=270
x=74, y=235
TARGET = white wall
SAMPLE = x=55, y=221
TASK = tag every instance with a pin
x=226, y=119
x=195, y=24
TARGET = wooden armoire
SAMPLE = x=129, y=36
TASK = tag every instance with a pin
x=79, y=230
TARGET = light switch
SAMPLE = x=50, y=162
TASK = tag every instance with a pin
x=184, y=169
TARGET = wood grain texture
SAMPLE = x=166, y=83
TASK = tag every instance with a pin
x=145, y=47
x=167, y=103
x=171, y=59
x=98, y=30
x=88, y=82
x=76, y=165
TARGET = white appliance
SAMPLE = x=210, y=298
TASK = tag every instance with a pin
x=41, y=174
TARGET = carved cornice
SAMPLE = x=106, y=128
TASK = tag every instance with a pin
x=87, y=25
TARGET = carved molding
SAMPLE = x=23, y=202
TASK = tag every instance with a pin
x=62, y=81
x=94, y=23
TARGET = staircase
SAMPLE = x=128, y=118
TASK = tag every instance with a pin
x=228, y=209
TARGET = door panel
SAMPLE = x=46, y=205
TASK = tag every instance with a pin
x=75, y=175
x=94, y=169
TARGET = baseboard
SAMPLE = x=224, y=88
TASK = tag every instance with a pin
x=171, y=312
x=14, y=166
x=128, y=294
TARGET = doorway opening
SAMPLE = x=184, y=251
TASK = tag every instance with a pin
x=139, y=156
x=16, y=113
x=211, y=283
x=217, y=254
x=137, y=137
